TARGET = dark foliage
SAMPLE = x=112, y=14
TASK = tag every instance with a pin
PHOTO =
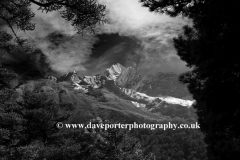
x=180, y=144
x=11, y=125
x=28, y=131
x=97, y=94
x=210, y=47
x=22, y=123
x=6, y=77
x=83, y=14
x=22, y=58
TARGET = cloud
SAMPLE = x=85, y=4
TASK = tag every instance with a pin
x=51, y=21
x=66, y=53
x=129, y=15
x=130, y=18
x=113, y=49
x=154, y=31
x=150, y=50
x=58, y=40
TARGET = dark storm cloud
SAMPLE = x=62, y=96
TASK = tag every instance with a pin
x=113, y=49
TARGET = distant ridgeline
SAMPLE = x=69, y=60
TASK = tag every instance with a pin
x=162, y=86
x=120, y=89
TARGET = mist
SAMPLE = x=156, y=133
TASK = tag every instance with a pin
x=143, y=40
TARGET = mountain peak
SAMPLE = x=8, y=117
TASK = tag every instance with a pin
x=128, y=82
x=114, y=71
x=70, y=76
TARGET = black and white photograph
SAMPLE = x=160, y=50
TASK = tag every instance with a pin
x=119, y=80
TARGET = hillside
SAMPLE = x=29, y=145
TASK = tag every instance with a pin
x=82, y=99
x=83, y=104
x=90, y=95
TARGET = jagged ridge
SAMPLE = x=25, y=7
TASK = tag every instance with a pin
x=120, y=76
x=160, y=84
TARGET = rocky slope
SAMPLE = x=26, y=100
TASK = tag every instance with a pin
x=84, y=105
x=160, y=84
x=119, y=80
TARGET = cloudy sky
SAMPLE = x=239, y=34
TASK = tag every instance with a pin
x=133, y=37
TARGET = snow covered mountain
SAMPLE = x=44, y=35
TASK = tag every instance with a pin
x=114, y=71
x=149, y=99
x=115, y=79
x=160, y=84
x=128, y=80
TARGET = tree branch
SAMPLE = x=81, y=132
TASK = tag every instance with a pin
x=9, y=24
x=6, y=7
x=46, y=4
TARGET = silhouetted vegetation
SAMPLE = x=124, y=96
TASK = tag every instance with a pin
x=180, y=144
x=6, y=76
x=28, y=131
x=83, y=14
x=28, y=116
x=209, y=47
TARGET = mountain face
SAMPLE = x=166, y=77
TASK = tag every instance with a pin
x=160, y=84
x=86, y=103
x=118, y=90
x=128, y=84
x=149, y=99
x=146, y=89
x=114, y=71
